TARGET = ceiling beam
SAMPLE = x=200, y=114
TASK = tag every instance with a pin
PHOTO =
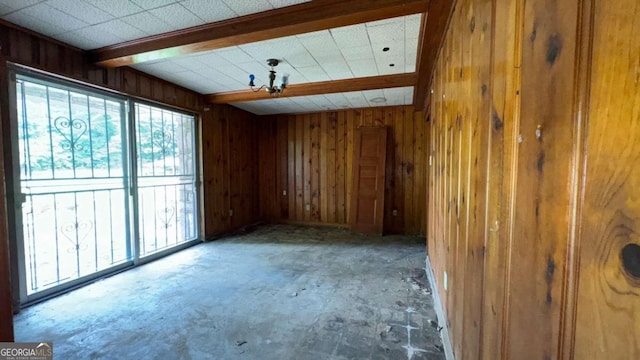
x=432, y=32
x=321, y=87
x=291, y=20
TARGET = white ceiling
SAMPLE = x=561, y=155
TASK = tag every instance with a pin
x=90, y=24
x=340, y=53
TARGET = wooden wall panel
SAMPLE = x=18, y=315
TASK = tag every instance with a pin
x=318, y=158
x=608, y=279
x=532, y=229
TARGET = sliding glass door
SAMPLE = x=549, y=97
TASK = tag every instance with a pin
x=99, y=187
x=166, y=178
x=73, y=183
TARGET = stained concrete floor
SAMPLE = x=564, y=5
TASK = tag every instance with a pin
x=279, y=292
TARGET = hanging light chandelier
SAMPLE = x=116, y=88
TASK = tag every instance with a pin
x=272, y=89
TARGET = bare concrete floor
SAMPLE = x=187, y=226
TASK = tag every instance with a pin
x=280, y=292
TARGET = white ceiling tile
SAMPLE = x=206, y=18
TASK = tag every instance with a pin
x=364, y=67
x=390, y=70
x=146, y=22
x=311, y=34
x=176, y=16
x=395, y=56
x=283, y=3
x=412, y=26
x=75, y=39
x=313, y=73
x=336, y=69
x=117, y=8
x=19, y=4
x=350, y=36
x=123, y=30
x=338, y=100
x=411, y=43
x=321, y=46
x=408, y=94
x=46, y=13
x=5, y=9
x=245, y=7
x=301, y=59
x=395, y=20
x=98, y=34
x=34, y=24
x=152, y=4
x=276, y=48
x=235, y=55
x=394, y=96
x=250, y=106
x=165, y=65
x=209, y=10
x=410, y=60
x=81, y=10
x=373, y=94
x=386, y=35
x=188, y=62
x=357, y=53
x=356, y=99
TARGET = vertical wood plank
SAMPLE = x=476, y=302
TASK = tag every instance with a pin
x=300, y=176
x=314, y=165
x=607, y=324
x=325, y=182
x=408, y=169
x=398, y=173
x=390, y=181
x=283, y=166
x=341, y=168
x=351, y=125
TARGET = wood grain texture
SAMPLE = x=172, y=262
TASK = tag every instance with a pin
x=320, y=87
x=297, y=19
x=608, y=315
x=230, y=169
x=320, y=161
x=532, y=212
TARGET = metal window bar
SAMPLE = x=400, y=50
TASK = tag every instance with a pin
x=163, y=143
x=61, y=204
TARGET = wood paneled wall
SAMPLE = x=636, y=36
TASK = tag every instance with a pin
x=533, y=211
x=309, y=156
x=229, y=151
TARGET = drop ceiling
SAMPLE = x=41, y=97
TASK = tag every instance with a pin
x=383, y=47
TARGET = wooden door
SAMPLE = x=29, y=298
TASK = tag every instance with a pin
x=367, y=185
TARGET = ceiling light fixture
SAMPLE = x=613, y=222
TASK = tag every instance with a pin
x=271, y=89
x=378, y=99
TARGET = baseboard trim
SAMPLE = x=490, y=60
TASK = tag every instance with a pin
x=442, y=320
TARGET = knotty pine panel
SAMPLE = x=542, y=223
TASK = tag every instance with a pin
x=309, y=158
x=533, y=128
x=230, y=170
x=608, y=239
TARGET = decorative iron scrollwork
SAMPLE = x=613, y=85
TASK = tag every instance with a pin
x=166, y=215
x=71, y=131
x=163, y=139
x=76, y=233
